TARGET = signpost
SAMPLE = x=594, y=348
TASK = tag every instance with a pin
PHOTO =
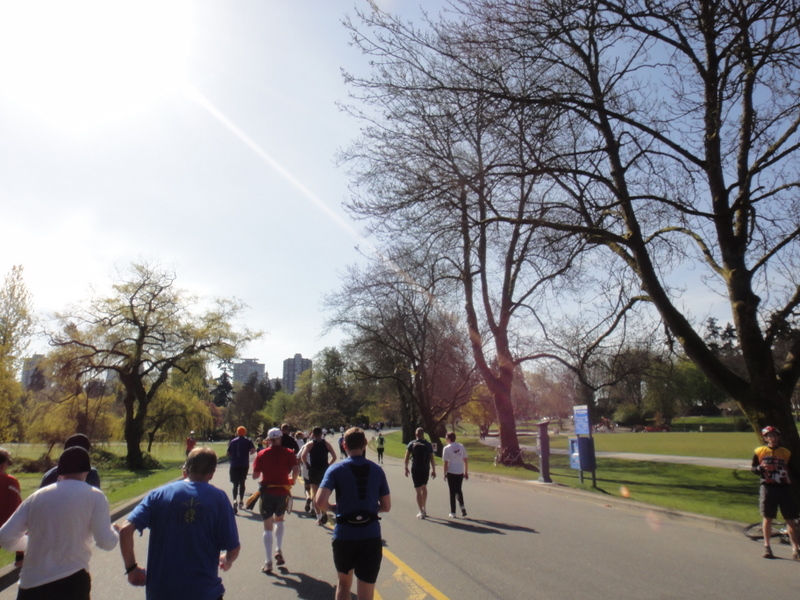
x=581, y=450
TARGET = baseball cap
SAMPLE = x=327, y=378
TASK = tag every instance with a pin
x=74, y=460
x=274, y=433
x=770, y=429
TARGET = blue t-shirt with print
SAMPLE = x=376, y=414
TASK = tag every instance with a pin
x=190, y=524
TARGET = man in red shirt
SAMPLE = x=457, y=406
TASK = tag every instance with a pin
x=10, y=495
x=277, y=468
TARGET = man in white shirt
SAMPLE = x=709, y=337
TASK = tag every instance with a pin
x=456, y=470
x=55, y=526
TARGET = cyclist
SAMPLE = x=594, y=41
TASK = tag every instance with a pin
x=771, y=463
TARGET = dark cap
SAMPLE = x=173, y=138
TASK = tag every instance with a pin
x=79, y=440
x=74, y=460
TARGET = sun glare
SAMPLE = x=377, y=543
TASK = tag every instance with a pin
x=80, y=63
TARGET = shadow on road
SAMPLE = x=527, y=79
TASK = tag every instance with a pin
x=480, y=526
x=305, y=586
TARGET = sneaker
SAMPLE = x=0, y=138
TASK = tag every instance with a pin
x=424, y=514
x=768, y=552
x=323, y=519
x=235, y=509
x=267, y=568
x=308, y=504
x=452, y=515
x=463, y=512
x=796, y=555
x=420, y=515
x=279, y=559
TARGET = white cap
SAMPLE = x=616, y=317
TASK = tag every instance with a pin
x=274, y=433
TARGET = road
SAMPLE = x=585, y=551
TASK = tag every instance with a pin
x=520, y=541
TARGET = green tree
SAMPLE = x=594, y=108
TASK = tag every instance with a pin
x=16, y=327
x=175, y=410
x=142, y=331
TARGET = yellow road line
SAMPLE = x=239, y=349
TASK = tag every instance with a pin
x=414, y=576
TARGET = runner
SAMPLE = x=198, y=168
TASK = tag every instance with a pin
x=239, y=450
x=277, y=467
x=423, y=466
x=317, y=451
x=379, y=445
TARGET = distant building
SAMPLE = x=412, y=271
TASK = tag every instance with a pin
x=243, y=371
x=292, y=367
x=29, y=366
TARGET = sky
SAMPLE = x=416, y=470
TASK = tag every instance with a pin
x=200, y=136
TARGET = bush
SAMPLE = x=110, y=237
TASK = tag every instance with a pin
x=628, y=415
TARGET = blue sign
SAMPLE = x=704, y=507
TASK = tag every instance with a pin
x=581, y=417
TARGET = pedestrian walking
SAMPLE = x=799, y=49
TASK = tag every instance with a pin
x=380, y=445
x=239, y=450
x=423, y=467
x=55, y=527
x=362, y=492
x=277, y=467
x=191, y=442
x=193, y=534
x=455, y=466
x=772, y=462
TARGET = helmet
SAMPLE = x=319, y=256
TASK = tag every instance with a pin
x=770, y=429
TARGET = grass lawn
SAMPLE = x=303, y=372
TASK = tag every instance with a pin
x=713, y=445
x=721, y=493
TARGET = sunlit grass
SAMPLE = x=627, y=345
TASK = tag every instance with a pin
x=721, y=493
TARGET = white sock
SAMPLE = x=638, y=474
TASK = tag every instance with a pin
x=268, y=544
x=278, y=535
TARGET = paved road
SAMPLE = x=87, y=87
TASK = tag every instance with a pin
x=521, y=540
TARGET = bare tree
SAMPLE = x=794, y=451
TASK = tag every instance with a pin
x=401, y=331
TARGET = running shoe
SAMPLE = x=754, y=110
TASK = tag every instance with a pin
x=452, y=515
x=279, y=559
x=796, y=555
x=323, y=519
x=308, y=504
x=235, y=509
x=463, y=512
x=768, y=552
x=267, y=568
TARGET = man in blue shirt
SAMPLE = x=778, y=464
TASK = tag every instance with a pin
x=192, y=535
x=239, y=450
x=361, y=493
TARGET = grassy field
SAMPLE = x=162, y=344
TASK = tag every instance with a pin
x=714, y=445
x=721, y=493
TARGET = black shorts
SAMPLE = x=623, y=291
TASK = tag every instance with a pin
x=362, y=556
x=773, y=497
x=420, y=477
x=272, y=505
x=77, y=586
x=239, y=474
x=315, y=474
